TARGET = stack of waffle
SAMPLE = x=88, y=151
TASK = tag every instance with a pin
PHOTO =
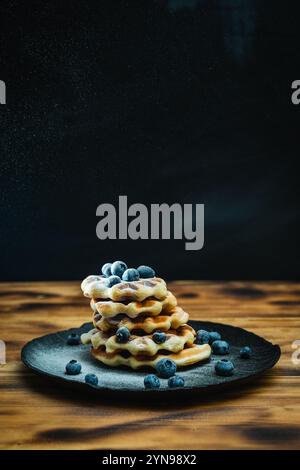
x=143, y=307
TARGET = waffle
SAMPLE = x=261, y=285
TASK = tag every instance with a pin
x=175, y=318
x=94, y=287
x=143, y=307
x=188, y=356
x=151, y=307
x=136, y=345
x=86, y=337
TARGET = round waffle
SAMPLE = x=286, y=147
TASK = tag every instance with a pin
x=151, y=307
x=95, y=287
x=188, y=356
x=175, y=318
x=136, y=345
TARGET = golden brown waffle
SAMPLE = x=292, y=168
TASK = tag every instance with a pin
x=188, y=356
x=175, y=318
x=151, y=307
x=136, y=345
x=94, y=287
x=86, y=337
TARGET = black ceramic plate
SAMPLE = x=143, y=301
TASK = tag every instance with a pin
x=49, y=354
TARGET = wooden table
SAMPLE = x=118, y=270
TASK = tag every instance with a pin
x=36, y=413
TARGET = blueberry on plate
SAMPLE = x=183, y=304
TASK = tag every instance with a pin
x=118, y=268
x=106, y=269
x=214, y=336
x=130, y=275
x=166, y=368
x=151, y=381
x=176, y=381
x=220, y=347
x=112, y=280
x=73, y=367
x=224, y=368
x=122, y=334
x=159, y=337
x=73, y=339
x=246, y=352
x=202, y=337
x=91, y=379
x=146, y=272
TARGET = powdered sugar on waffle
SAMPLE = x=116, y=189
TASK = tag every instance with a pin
x=95, y=287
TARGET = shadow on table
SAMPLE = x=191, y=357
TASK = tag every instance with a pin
x=82, y=395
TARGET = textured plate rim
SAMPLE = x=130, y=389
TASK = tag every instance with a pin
x=231, y=383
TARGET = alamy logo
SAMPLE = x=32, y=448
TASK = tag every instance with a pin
x=160, y=221
x=295, y=97
x=296, y=354
x=2, y=92
x=2, y=352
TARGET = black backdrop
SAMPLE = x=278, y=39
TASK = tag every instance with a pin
x=164, y=101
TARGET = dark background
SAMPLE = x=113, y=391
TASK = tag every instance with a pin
x=164, y=101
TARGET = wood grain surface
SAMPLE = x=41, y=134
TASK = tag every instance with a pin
x=37, y=413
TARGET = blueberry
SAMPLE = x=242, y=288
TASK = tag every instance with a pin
x=246, y=352
x=106, y=269
x=159, y=337
x=151, y=381
x=91, y=379
x=112, y=280
x=224, y=367
x=220, y=347
x=176, y=381
x=146, y=272
x=202, y=337
x=214, y=336
x=122, y=334
x=166, y=368
x=73, y=367
x=73, y=339
x=118, y=268
x=131, y=274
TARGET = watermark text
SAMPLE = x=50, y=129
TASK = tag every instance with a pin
x=2, y=352
x=296, y=353
x=2, y=92
x=159, y=221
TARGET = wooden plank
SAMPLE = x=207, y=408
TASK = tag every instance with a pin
x=36, y=413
